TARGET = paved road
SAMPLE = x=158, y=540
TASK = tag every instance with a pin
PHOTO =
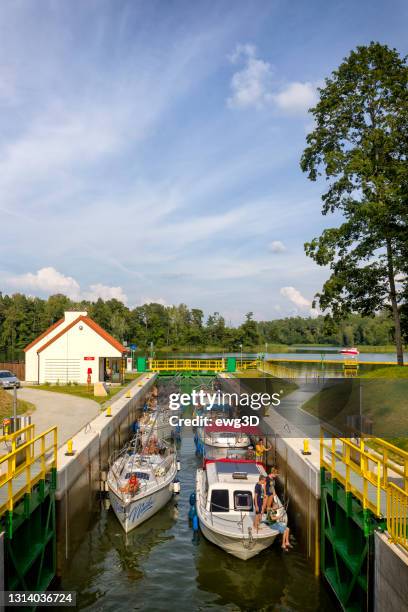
x=68, y=412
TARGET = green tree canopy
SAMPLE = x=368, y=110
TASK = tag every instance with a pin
x=360, y=144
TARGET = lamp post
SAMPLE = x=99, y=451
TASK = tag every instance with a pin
x=15, y=407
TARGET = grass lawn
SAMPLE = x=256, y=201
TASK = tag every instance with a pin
x=389, y=372
x=384, y=398
x=6, y=405
x=85, y=391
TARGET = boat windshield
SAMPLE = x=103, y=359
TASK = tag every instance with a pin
x=139, y=475
x=243, y=500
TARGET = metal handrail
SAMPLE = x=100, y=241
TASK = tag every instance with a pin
x=397, y=515
x=360, y=468
x=186, y=364
x=46, y=456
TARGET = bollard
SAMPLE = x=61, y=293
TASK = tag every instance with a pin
x=70, y=448
x=306, y=448
x=108, y=411
x=128, y=394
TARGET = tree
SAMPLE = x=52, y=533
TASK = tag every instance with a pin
x=249, y=331
x=360, y=144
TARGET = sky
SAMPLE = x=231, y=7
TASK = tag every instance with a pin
x=149, y=151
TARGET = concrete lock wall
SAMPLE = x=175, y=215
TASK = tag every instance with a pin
x=79, y=476
x=390, y=576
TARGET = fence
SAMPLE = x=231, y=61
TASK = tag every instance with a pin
x=16, y=367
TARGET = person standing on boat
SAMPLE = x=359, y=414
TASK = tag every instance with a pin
x=270, y=487
x=260, y=449
x=259, y=499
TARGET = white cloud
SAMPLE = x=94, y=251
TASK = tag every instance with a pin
x=47, y=280
x=276, y=246
x=253, y=86
x=50, y=281
x=106, y=293
x=301, y=303
x=295, y=297
x=296, y=97
x=153, y=300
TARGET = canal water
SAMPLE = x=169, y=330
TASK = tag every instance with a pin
x=163, y=566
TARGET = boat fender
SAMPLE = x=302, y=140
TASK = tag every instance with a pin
x=192, y=513
x=195, y=523
x=178, y=465
x=176, y=486
x=192, y=499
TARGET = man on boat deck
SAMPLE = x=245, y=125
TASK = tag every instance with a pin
x=270, y=487
x=259, y=500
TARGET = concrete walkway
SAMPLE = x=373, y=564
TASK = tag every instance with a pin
x=68, y=412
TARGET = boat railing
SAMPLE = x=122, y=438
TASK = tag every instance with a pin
x=239, y=523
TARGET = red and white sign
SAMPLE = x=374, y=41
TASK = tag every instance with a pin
x=89, y=358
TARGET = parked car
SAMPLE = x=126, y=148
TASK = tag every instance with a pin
x=8, y=380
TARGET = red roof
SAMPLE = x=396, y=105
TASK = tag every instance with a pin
x=45, y=333
x=97, y=328
x=252, y=430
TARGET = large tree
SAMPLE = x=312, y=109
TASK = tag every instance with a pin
x=359, y=143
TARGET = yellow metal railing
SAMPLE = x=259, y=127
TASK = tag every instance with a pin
x=370, y=469
x=397, y=515
x=394, y=460
x=357, y=469
x=26, y=465
x=11, y=441
x=248, y=364
x=279, y=371
x=190, y=365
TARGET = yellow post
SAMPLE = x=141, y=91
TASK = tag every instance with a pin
x=306, y=447
x=70, y=448
x=128, y=395
x=108, y=411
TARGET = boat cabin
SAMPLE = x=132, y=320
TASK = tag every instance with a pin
x=231, y=485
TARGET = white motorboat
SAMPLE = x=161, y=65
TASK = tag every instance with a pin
x=140, y=484
x=225, y=507
x=214, y=441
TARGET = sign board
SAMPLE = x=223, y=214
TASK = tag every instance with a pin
x=129, y=364
x=133, y=347
x=89, y=358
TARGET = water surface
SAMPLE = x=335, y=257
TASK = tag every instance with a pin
x=161, y=566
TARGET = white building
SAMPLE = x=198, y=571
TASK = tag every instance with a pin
x=73, y=349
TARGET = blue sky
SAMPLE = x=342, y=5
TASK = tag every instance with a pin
x=149, y=151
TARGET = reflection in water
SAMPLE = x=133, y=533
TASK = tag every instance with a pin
x=160, y=566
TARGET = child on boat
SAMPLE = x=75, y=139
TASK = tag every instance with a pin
x=259, y=498
x=282, y=528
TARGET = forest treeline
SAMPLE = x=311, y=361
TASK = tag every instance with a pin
x=23, y=318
